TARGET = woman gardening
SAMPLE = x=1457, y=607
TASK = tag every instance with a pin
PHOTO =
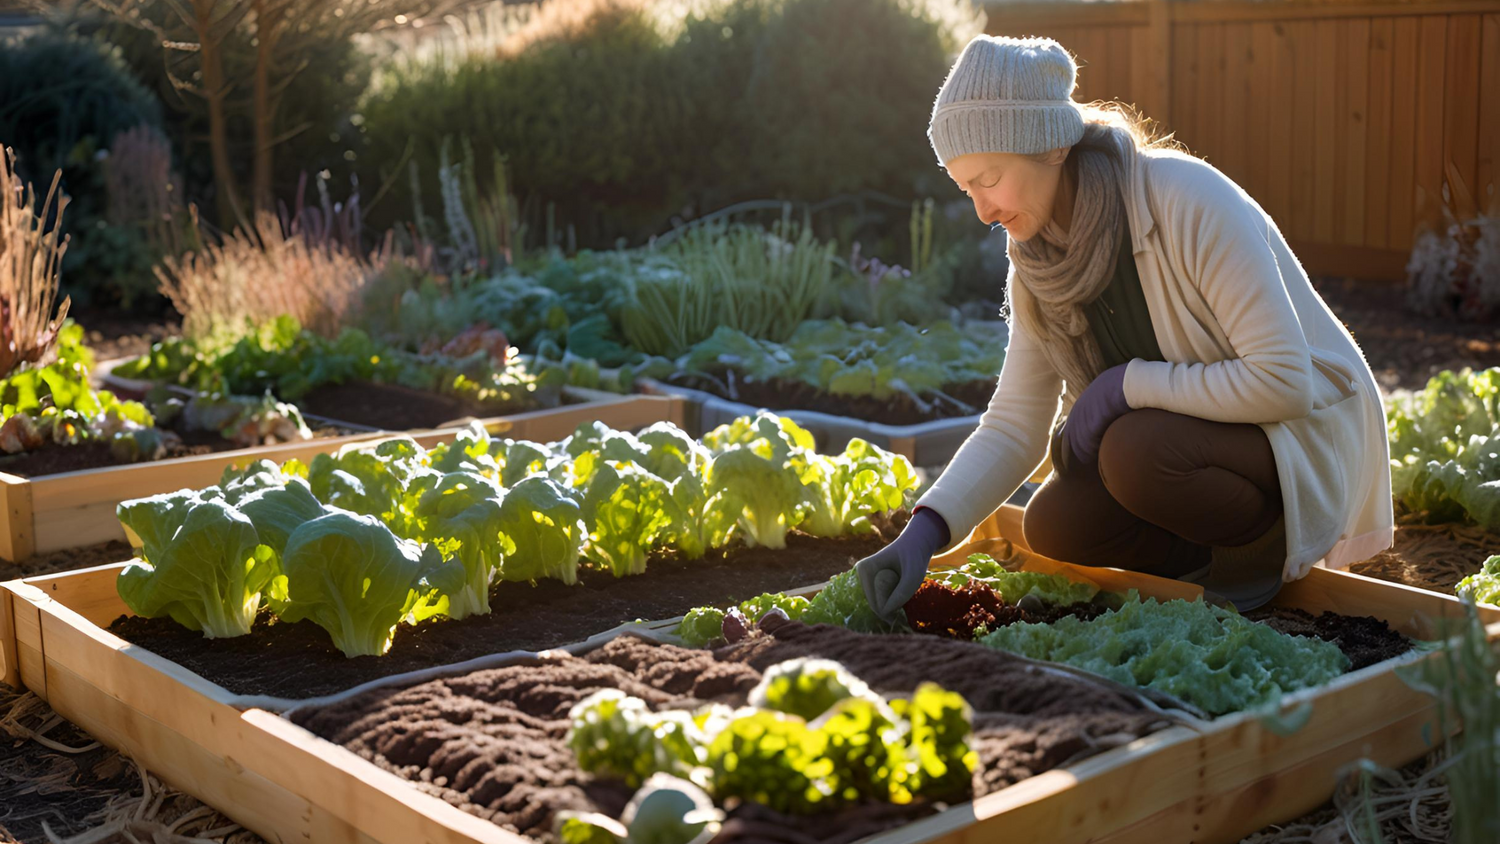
x=1214, y=422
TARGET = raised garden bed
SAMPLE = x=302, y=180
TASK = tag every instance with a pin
x=924, y=444
x=73, y=509
x=1203, y=782
x=298, y=660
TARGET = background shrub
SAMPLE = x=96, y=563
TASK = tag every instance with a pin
x=629, y=120
x=62, y=100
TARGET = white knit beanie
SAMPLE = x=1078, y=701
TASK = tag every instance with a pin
x=1007, y=95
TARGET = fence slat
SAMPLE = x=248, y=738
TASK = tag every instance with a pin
x=1236, y=103
x=1210, y=99
x=1378, y=134
x=1185, y=86
x=1326, y=136
x=1430, y=98
x=1259, y=85
x=1488, y=170
x=1356, y=74
x=1461, y=96
x=1283, y=141
x=1304, y=129
x=1404, y=132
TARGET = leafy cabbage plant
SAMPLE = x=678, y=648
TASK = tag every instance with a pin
x=1482, y=587
x=1205, y=655
x=812, y=738
x=204, y=565
x=1445, y=448
x=357, y=580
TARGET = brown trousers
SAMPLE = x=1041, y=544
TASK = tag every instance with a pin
x=1165, y=489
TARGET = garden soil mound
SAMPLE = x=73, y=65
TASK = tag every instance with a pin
x=299, y=660
x=1363, y=639
x=492, y=742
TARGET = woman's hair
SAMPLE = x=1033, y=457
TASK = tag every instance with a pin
x=1102, y=118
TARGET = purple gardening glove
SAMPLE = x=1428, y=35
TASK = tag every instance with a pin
x=1102, y=402
x=891, y=575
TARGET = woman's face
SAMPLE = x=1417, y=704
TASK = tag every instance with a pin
x=1016, y=191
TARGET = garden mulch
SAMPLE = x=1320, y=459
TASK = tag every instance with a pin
x=1403, y=348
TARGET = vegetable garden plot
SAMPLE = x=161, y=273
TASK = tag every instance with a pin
x=1206, y=783
x=75, y=509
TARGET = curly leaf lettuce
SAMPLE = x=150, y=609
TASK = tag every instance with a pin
x=1205, y=655
x=1445, y=448
x=1015, y=585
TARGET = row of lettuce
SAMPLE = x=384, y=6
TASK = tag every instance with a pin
x=364, y=540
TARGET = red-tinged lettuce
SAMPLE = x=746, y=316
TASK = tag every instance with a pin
x=626, y=510
x=354, y=578
x=208, y=575
x=544, y=530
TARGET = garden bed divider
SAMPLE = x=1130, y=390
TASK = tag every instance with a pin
x=1204, y=782
x=924, y=444
x=74, y=509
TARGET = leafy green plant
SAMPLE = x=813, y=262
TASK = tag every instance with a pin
x=1444, y=442
x=1205, y=655
x=854, y=360
x=357, y=580
x=1482, y=587
x=1015, y=585
x=813, y=737
x=842, y=603
x=207, y=571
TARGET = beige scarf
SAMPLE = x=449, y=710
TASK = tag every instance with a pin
x=1056, y=273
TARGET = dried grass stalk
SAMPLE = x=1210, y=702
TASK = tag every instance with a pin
x=31, y=254
x=252, y=277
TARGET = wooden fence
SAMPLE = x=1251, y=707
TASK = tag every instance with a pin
x=1339, y=116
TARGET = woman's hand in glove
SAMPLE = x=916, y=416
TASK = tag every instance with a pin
x=891, y=575
x=1101, y=403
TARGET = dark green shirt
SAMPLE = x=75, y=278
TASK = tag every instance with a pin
x=1120, y=320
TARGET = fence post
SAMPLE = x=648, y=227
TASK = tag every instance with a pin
x=1159, y=23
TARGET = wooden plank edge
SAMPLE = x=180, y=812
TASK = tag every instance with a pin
x=10, y=669
x=1240, y=11
x=17, y=524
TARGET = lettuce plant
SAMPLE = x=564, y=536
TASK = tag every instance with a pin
x=208, y=576
x=460, y=515
x=1207, y=656
x=626, y=510
x=1482, y=587
x=544, y=531
x=840, y=492
x=1445, y=448
x=759, y=491
x=354, y=578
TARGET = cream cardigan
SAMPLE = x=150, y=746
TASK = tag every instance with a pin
x=1246, y=339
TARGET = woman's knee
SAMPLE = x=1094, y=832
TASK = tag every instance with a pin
x=1045, y=524
x=1135, y=455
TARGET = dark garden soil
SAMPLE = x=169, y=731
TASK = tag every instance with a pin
x=1364, y=640
x=795, y=395
x=392, y=407
x=1404, y=348
x=492, y=742
x=299, y=660
x=71, y=559
x=941, y=610
x=56, y=459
